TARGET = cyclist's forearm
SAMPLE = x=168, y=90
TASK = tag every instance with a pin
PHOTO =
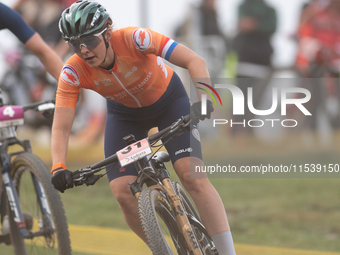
x=61, y=129
x=47, y=56
x=59, y=146
x=199, y=73
x=196, y=65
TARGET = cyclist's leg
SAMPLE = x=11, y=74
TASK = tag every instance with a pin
x=208, y=202
x=121, y=177
x=127, y=203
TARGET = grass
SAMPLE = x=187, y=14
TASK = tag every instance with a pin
x=284, y=211
x=292, y=213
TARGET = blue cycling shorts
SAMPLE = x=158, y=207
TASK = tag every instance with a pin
x=122, y=121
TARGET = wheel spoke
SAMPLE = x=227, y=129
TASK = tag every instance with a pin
x=46, y=239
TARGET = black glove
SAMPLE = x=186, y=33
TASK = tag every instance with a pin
x=196, y=112
x=62, y=180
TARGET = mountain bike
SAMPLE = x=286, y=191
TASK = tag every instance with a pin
x=169, y=219
x=32, y=215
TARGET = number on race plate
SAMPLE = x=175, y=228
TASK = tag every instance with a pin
x=9, y=111
x=134, y=152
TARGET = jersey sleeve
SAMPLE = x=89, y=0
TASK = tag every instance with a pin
x=146, y=41
x=69, y=84
x=12, y=20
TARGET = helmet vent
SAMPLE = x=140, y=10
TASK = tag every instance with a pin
x=77, y=26
x=83, y=6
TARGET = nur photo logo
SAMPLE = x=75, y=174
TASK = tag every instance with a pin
x=281, y=98
x=204, y=97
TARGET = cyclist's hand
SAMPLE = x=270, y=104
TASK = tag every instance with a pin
x=62, y=180
x=196, y=112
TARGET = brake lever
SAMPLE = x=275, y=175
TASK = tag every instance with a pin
x=81, y=174
x=92, y=180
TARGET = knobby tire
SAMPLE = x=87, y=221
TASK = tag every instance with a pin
x=151, y=203
x=59, y=242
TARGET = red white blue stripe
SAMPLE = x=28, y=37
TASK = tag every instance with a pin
x=168, y=48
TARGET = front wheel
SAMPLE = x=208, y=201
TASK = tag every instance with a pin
x=159, y=224
x=206, y=244
x=42, y=208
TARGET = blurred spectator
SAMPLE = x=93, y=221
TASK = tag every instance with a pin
x=201, y=32
x=319, y=37
x=257, y=22
x=318, y=56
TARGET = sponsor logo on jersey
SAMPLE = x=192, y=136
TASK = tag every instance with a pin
x=196, y=134
x=70, y=76
x=134, y=69
x=142, y=38
x=96, y=82
x=147, y=78
x=107, y=82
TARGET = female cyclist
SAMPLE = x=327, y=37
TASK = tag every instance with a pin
x=125, y=67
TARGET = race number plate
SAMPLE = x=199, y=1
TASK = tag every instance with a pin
x=134, y=152
x=11, y=116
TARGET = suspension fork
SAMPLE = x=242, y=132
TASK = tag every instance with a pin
x=43, y=203
x=13, y=198
x=181, y=218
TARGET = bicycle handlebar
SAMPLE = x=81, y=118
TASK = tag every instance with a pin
x=170, y=131
x=41, y=106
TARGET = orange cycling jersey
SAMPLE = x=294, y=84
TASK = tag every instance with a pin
x=138, y=78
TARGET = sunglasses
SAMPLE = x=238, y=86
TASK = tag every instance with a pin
x=90, y=42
